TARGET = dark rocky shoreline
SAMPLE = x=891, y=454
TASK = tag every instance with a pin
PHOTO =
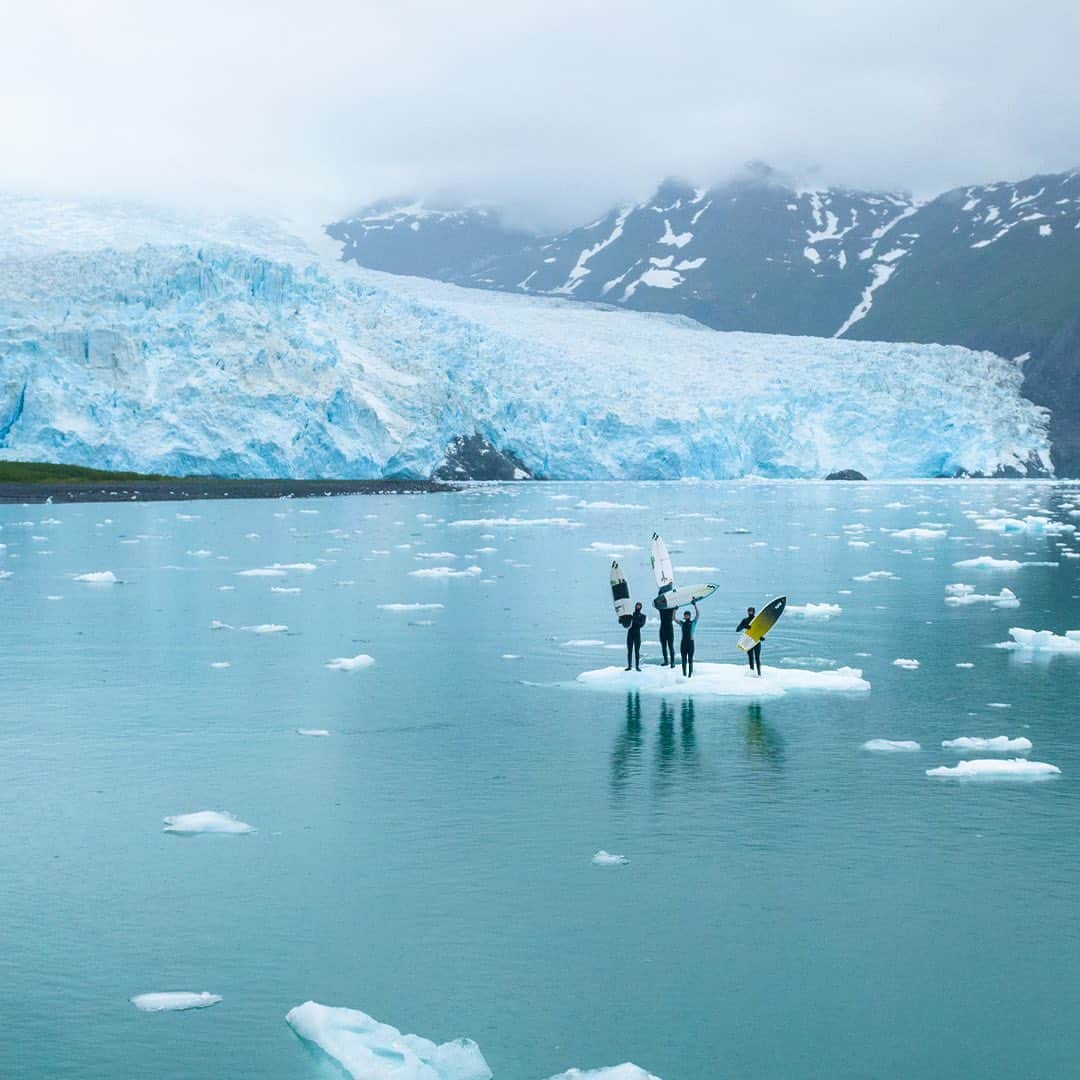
x=182, y=490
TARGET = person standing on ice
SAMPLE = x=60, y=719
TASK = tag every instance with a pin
x=633, y=638
x=753, y=656
x=686, y=646
x=667, y=636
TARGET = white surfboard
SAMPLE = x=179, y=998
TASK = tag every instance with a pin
x=685, y=594
x=661, y=564
x=620, y=593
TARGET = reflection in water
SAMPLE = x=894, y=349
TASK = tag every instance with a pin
x=627, y=752
x=762, y=741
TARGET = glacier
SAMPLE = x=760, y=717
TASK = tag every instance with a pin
x=132, y=338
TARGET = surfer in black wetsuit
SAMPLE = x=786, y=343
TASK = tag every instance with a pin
x=667, y=635
x=633, y=638
x=753, y=656
x=686, y=645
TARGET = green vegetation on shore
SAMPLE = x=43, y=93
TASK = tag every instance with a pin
x=38, y=472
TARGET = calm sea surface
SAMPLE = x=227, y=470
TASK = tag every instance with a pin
x=793, y=906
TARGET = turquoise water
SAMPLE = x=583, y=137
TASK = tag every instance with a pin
x=793, y=906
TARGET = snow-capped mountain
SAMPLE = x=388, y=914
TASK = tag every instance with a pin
x=994, y=267
x=182, y=345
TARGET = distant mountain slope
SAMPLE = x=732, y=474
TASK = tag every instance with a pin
x=160, y=345
x=993, y=267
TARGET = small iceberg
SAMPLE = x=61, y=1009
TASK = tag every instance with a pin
x=906, y=664
x=409, y=607
x=877, y=575
x=1045, y=641
x=996, y=769
x=988, y=562
x=261, y=571
x=721, y=680
x=891, y=746
x=998, y=744
x=206, y=821
x=174, y=1001
x=314, y=732
x=615, y=1072
x=605, y=858
x=1004, y=599
x=369, y=1050
x=99, y=577
x=445, y=572
x=814, y=611
x=350, y=663
x=266, y=628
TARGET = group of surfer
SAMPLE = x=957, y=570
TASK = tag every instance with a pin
x=687, y=624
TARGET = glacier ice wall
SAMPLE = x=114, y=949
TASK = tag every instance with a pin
x=126, y=342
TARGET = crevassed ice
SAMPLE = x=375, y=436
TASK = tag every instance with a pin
x=113, y=353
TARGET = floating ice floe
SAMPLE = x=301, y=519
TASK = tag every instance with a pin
x=698, y=570
x=601, y=547
x=722, y=680
x=510, y=656
x=814, y=611
x=920, y=534
x=996, y=769
x=220, y=665
x=606, y=858
x=445, y=572
x=891, y=745
x=601, y=505
x=513, y=523
x=434, y=555
x=286, y=566
x=998, y=744
x=877, y=575
x=408, y=607
x=989, y=562
x=965, y=664
x=5, y=574
x=174, y=1001
x=906, y=664
x=1030, y=524
x=206, y=821
x=1045, y=641
x=369, y=1050
x=289, y=590
x=314, y=732
x=626, y=1071
x=583, y=643
x=350, y=663
x=261, y=571
x=99, y=577
x=266, y=628
x=998, y=705
x=1004, y=599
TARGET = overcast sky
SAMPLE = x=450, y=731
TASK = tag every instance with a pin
x=554, y=109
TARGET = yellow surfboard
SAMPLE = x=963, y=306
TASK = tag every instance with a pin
x=763, y=622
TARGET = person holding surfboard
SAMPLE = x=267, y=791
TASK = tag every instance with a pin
x=633, y=637
x=753, y=655
x=686, y=645
x=667, y=636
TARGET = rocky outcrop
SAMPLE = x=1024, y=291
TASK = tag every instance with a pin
x=846, y=474
x=472, y=457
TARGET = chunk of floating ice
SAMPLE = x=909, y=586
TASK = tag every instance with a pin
x=601, y=505
x=350, y=663
x=891, y=745
x=959, y=589
x=721, y=680
x=626, y=1071
x=206, y=821
x=582, y=643
x=293, y=565
x=174, y=1001
x=5, y=574
x=511, y=656
x=998, y=705
x=1004, y=599
x=988, y=562
x=877, y=575
x=814, y=611
x=314, y=731
x=220, y=665
x=919, y=534
x=261, y=571
x=217, y=624
x=907, y=665
x=266, y=628
x=965, y=664
x=996, y=769
x=1042, y=641
x=99, y=577
x=408, y=607
x=605, y=858
x=368, y=1050
x=284, y=589
x=513, y=523
x=445, y=572
x=998, y=744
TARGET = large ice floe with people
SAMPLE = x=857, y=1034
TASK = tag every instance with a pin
x=142, y=340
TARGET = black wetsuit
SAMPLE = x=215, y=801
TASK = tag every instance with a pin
x=686, y=646
x=753, y=656
x=667, y=635
x=633, y=639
